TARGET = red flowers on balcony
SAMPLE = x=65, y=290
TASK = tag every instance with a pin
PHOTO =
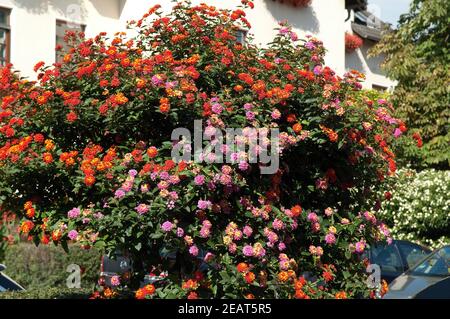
x=352, y=42
x=297, y=3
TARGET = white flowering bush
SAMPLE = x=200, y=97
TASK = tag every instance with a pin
x=417, y=206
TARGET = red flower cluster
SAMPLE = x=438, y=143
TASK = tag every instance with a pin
x=352, y=42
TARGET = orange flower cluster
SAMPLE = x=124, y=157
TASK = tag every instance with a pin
x=164, y=105
x=296, y=210
x=142, y=293
x=26, y=226
x=152, y=152
x=341, y=295
x=47, y=158
x=107, y=293
x=298, y=285
x=113, y=101
x=49, y=145
x=244, y=269
x=332, y=135
x=284, y=276
x=91, y=163
x=15, y=148
x=68, y=158
x=190, y=284
x=29, y=209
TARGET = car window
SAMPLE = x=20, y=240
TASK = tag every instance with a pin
x=412, y=253
x=7, y=284
x=387, y=258
x=438, y=264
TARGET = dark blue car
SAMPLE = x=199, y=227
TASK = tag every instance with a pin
x=396, y=258
x=6, y=283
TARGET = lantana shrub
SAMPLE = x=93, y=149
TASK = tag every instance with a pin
x=85, y=156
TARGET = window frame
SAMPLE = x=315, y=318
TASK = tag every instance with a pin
x=379, y=87
x=403, y=246
x=7, y=29
x=395, y=250
x=244, y=33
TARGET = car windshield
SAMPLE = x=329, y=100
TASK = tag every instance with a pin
x=7, y=284
x=438, y=264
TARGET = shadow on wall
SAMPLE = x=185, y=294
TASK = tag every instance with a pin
x=360, y=61
x=300, y=18
x=75, y=9
x=72, y=9
x=373, y=63
x=109, y=9
x=353, y=61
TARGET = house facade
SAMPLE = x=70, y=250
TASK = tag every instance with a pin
x=31, y=29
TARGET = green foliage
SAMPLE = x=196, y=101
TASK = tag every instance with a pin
x=45, y=266
x=85, y=156
x=7, y=226
x=419, y=207
x=3, y=241
x=47, y=293
x=417, y=55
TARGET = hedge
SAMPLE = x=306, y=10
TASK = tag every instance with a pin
x=48, y=293
x=45, y=266
x=419, y=207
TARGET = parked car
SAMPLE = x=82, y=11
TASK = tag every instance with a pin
x=6, y=283
x=119, y=264
x=430, y=278
x=393, y=260
x=396, y=258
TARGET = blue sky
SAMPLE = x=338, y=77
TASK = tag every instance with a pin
x=389, y=10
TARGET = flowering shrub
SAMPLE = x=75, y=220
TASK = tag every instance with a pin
x=85, y=156
x=418, y=206
x=352, y=42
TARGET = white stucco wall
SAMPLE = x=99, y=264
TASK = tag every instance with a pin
x=323, y=19
x=359, y=60
x=33, y=26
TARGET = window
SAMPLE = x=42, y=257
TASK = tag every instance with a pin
x=5, y=36
x=438, y=264
x=61, y=28
x=379, y=88
x=241, y=36
x=387, y=257
x=412, y=253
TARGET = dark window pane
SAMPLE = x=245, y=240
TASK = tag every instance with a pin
x=379, y=88
x=3, y=17
x=4, y=36
x=240, y=36
x=7, y=284
x=412, y=253
x=387, y=258
x=437, y=265
x=3, y=44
